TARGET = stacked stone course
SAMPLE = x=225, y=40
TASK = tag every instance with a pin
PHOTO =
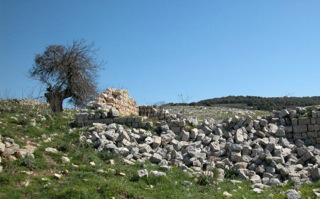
x=268, y=151
x=87, y=119
x=119, y=99
x=299, y=124
x=152, y=112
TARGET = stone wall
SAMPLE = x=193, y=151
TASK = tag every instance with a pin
x=87, y=119
x=120, y=100
x=268, y=151
x=102, y=114
x=299, y=124
x=153, y=112
x=294, y=124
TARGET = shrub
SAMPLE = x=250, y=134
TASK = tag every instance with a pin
x=134, y=178
x=231, y=174
x=309, y=112
x=204, y=180
x=105, y=156
x=27, y=162
x=4, y=179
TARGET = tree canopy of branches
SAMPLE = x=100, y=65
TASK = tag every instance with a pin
x=68, y=72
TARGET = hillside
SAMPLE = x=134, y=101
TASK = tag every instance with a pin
x=213, y=112
x=257, y=103
x=60, y=165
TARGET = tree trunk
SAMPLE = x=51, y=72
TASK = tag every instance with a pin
x=55, y=99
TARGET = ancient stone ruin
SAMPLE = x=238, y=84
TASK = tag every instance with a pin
x=269, y=150
x=115, y=106
x=119, y=99
x=152, y=112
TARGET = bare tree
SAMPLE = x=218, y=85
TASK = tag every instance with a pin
x=184, y=99
x=67, y=72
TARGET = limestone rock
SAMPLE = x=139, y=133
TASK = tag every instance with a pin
x=157, y=173
x=156, y=158
x=227, y=194
x=65, y=159
x=315, y=173
x=293, y=194
x=51, y=150
x=143, y=173
x=57, y=176
x=239, y=137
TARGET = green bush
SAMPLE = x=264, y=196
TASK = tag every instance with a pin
x=134, y=177
x=5, y=179
x=231, y=174
x=105, y=156
x=204, y=180
x=309, y=112
x=27, y=162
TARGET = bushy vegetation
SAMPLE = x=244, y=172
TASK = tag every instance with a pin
x=257, y=103
x=34, y=177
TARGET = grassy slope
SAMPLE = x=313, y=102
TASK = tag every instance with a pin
x=84, y=181
x=217, y=113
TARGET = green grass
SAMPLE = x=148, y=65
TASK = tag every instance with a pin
x=84, y=181
x=217, y=112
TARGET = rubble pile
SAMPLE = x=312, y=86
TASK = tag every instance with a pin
x=268, y=150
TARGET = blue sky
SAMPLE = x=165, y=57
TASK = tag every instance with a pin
x=162, y=48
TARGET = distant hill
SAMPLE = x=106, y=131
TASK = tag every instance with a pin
x=257, y=103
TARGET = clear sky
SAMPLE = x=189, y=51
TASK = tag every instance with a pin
x=162, y=48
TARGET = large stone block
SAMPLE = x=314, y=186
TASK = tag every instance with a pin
x=315, y=173
x=300, y=129
x=311, y=127
x=304, y=121
x=239, y=137
x=283, y=113
x=312, y=134
x=120, y=100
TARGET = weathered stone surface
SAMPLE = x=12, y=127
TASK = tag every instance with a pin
x=280, y=132
x=273, y=128
x=236, y=156
x=284, y=113
x=156, y=158
x=184, y=135
x=214, y=146
x=193, y=133
x=8, y=151
x=274, y=182
x=316, y=192
x=65, y=159
x=143, y=173
x=300, y=129
x=227, y=194
x=120, y=100
x=157, y=173
x=293, y=194
x=156, y=141
x=2, y=147
x=315, y=173
x=257, y=190
x=239, y=137
x=267, y=151
x=51, y=150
